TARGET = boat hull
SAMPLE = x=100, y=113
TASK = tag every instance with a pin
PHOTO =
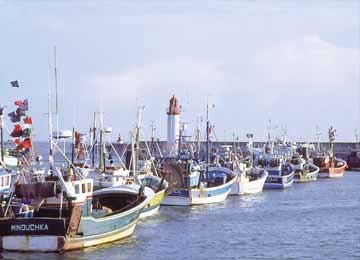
x=154, y=205
x=248, y=187
x=53, y=243
x=198, y=196
x=279, y=182
x=57, y=234
x=333, y=172
x=300, y=177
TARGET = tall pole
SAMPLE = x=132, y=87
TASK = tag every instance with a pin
x=73, y=146
x=198, y=138
x=56, y=96
x=207, y=137
x=51, y=158
x=180, y=136
x=137, y=137
x=93, y=141
x=2, y=137
x=152, y=138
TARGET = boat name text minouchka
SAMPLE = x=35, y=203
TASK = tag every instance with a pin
x=29, y=227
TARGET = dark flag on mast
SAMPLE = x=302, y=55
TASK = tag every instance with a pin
x=14, y=84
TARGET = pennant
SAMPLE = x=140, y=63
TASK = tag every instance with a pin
x=20, y=112
x=28, y=120
x=27, y=143
x=26, y=132
x=14, y=84
x=24, y=105
x=14, y=117
x=17, y=132
x=18, y=102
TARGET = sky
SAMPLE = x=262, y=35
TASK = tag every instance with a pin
x=296, y=63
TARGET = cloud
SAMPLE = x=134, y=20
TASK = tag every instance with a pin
x=165, y=77
x=308, y=60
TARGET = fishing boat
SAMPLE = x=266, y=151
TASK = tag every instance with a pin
x=303, y=171
x=65, y=213
x=330, y=166
x=281, y=175
x=250, y=180
x=189, y=186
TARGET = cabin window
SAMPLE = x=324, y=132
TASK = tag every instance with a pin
x=83, y=188
x=77, y=189
x=7, y=180
x=2, y=181
x=89, y=187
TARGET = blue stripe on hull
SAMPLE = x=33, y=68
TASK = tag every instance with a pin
x=90, y=226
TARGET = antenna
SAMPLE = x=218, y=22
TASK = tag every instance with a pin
x=56, y=95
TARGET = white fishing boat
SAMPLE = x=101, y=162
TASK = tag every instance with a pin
x=188, y=186
x=250, y=180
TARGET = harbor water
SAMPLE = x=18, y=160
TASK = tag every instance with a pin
x=318, y=220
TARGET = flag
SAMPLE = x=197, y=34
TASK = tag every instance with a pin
x=26, y=132
x=1, y=110
x=17, y=132
x=28, y=120
x=14, y=84
x=20, y=112
x=18, y=102
x=14, y=117
x=27, y=143
x=24, y=105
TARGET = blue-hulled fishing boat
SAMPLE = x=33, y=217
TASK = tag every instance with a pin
x=281, y=175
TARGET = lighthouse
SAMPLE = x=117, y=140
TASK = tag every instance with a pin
x=173, y=127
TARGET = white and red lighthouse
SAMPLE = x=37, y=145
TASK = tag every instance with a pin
x=173, y=127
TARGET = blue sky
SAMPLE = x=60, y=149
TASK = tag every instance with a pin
x=294, y=62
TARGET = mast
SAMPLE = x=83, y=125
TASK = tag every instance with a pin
x=198, y=138
x=332, y=132
x=318, y=135
x=2, y=134
x=207, y=137
x=132, y=154
x=56, y=96
x=51, y=158
x=152, y=138
x=180, y=137
x=93, y=141
x=73, y=146
x=137, y=137
x=101, y=152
